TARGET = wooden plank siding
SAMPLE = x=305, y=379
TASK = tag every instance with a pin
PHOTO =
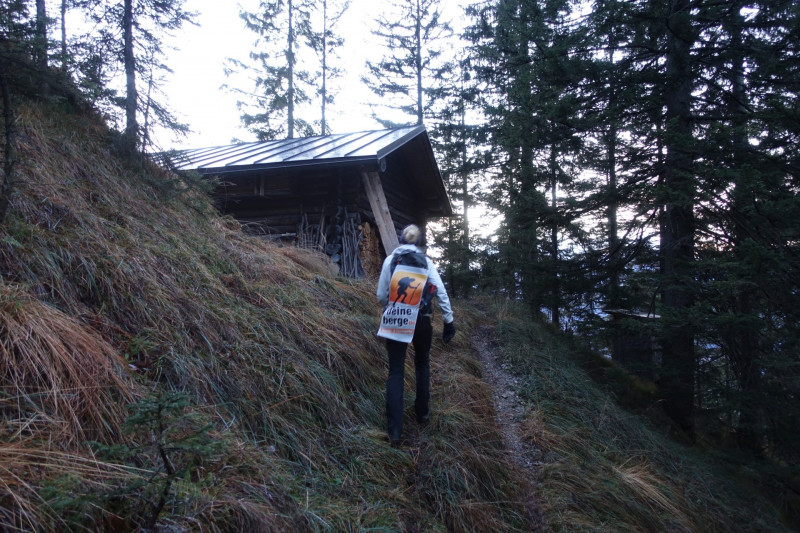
x=284, y=201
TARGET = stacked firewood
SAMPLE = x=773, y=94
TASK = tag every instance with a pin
x=311, y=236
x=370, y=250
x=340, y=240
x=350, y=260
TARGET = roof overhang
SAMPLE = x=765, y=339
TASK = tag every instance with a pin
x=407, y=150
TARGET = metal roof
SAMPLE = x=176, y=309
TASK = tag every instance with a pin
x=361, y=147
x=406, y=151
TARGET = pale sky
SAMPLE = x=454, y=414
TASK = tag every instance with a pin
x=194, y=92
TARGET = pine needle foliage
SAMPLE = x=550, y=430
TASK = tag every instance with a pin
x=162, y=370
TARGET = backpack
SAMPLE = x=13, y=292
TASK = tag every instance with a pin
x=418, y=260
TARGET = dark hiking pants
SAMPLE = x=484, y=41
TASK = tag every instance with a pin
x=423, y=336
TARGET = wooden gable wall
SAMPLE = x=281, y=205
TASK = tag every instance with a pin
x=329, y=211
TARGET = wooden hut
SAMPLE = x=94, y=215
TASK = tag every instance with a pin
x=348, y=195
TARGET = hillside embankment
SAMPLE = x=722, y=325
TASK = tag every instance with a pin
x=163, y=371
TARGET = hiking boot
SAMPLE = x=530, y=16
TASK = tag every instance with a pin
x=423, y=419
x=394, y=438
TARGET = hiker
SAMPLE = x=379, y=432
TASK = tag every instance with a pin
x=403, y=286
x=410, y=239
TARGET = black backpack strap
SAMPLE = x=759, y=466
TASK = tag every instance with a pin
x=409, y=258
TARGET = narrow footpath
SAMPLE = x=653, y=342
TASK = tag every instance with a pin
x=509, y=411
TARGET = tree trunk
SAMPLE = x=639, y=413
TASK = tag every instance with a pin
x=131, y=98
x=677, y=238
x=324, y=91
x=465, y=197
x=8, y=163
x=555, y=300
x=614, y=251
x=611, y=215
x=533, y=202
x=40, y=38
x=147, y=107
x=64, y=35
x=418, y=62
x=290, y=64
x=40, y=46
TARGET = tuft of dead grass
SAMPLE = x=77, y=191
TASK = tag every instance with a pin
x=28, y=466
x=60, y=380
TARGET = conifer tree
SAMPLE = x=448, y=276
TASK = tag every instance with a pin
x=407, y=74
x=131, y=36
x=678, y=227
x=323, y=40
x=620, y=114
x=459, y=147
x=523, y=50
x=503, y=62
x=281, y=85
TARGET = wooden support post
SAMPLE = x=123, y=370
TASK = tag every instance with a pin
x=377, y=202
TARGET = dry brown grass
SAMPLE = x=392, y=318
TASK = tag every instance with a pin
x=24, y=463
x=61, y=380
x=653, y=491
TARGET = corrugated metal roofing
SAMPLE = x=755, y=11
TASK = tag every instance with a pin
x=365, y=146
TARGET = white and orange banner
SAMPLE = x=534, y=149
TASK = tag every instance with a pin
x=405, y=291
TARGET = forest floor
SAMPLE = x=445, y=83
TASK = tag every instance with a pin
x=510, y=411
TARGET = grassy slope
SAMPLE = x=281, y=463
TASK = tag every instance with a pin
x=161, y=368
x=606, y=469
x=251, y=380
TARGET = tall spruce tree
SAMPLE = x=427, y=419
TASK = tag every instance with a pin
x=560, y=102
x=131, y=35
x=526, y=53
x=323, y=40
x=408, y=74
x=281, y=86
x=502, y=37
x=610, y=148
x=678, y=226
x=459, y=144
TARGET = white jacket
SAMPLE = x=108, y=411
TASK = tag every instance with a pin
x=433, y=276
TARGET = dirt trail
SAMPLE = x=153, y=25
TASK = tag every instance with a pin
x=509, y=411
